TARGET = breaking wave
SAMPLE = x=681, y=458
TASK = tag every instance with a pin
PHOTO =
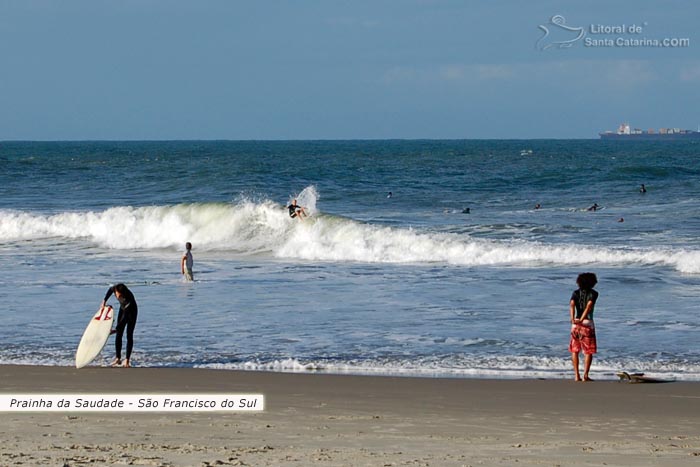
x=265, y=228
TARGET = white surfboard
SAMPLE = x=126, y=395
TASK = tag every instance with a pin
x=95, y=336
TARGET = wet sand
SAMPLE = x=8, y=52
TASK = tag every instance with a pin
x=316, y=419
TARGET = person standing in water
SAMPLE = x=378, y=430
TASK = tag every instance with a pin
x=583, y=338
x=187, y=262
x=128, y=312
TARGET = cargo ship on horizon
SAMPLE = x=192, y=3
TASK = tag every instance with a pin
x=624, y=132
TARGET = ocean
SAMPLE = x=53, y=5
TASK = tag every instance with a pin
x=456, y=274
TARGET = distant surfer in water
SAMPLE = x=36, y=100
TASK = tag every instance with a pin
x=128, y=312
x=594, y=207
x=390, y=194
x=583, y=338
x=187, y=263
x=296, y=211
x=643, y=189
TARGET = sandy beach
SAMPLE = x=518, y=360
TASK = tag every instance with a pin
x=313, y=419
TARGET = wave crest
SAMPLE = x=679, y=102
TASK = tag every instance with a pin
x=264, y=227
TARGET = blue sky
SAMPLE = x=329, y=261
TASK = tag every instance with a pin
x=170, y=69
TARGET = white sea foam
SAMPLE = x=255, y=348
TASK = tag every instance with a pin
x=471, y=367
x=265, y=227
x=457, y=366
x=214, y=226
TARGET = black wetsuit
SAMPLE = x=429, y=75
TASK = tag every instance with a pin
x=581, y=298
x=128, y=312
x=293, y=208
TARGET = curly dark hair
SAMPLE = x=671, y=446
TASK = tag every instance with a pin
x=586, y=280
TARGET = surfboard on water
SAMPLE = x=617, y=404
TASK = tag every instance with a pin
x=95, y=336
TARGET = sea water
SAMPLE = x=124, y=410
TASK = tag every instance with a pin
x=453, y=274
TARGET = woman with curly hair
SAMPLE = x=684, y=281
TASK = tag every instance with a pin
x=583, y=337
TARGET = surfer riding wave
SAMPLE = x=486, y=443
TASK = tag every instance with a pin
x=297, y=211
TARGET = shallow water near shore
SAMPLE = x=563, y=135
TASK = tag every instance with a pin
x=408, y=284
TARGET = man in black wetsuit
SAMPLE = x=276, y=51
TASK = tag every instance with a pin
x=128, y=312
x=296, y=211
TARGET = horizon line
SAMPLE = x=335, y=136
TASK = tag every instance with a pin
x=282, y=140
